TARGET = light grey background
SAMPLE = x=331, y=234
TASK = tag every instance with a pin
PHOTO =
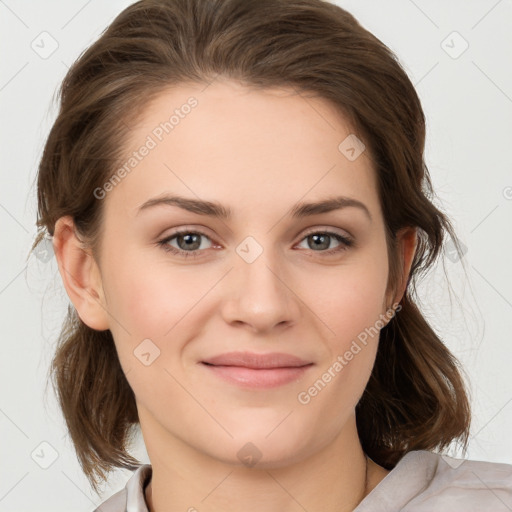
x=467, y=99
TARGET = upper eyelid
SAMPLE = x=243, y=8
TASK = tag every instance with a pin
x=308, y=232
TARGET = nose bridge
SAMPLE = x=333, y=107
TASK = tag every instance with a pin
x=261, y=297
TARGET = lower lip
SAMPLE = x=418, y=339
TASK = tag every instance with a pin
x=258, y=378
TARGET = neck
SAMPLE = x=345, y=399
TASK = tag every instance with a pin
x=335, y=479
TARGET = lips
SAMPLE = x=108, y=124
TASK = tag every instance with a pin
x=257, y=361
x=248, y=369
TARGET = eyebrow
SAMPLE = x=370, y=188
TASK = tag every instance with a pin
x=215, y=209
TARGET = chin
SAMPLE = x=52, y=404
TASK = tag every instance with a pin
x=261, y=450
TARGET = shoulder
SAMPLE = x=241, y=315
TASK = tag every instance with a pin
x=477, y=485
x=424, y=481
x=131, y=497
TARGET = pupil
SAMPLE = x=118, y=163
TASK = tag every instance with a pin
x=319, y=238
x=190, y=238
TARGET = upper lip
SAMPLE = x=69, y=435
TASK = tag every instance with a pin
x=257, y=361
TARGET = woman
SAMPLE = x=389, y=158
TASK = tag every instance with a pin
x=240, y=209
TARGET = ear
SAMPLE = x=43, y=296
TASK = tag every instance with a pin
x=80, y=275
x=407, y=241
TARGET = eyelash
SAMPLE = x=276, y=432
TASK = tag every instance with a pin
x=345, y=243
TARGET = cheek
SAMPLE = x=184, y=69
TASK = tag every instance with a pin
x=150, y=297
x=352, y=310
x=352, y=297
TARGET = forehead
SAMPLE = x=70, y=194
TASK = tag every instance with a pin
x=243, y=146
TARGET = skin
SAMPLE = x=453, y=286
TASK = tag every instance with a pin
x=258, y=153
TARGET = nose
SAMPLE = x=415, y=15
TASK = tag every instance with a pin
x=260, y=296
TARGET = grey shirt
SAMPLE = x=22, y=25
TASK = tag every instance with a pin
x=422, y=481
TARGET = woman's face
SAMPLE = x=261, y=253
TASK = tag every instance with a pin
x=190, y=314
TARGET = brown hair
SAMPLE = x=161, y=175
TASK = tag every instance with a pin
x=416, y=397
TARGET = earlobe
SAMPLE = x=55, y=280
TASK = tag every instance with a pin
x=80, y=275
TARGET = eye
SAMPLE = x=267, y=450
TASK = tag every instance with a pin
x=320, y=240
x=188, y=243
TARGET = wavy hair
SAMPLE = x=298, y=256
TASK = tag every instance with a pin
x=416, y=397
